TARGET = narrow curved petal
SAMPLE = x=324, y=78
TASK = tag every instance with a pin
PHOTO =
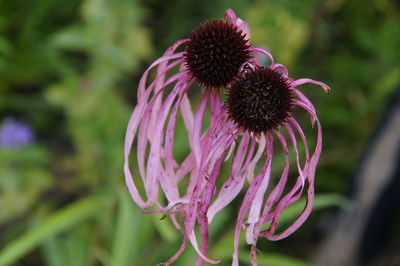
x=310, y=190
x=153, y=122
x=281, y=68
x=204, y=206
x=248, y=199
x=231, y=188
x=298, y=82
x=264, y=52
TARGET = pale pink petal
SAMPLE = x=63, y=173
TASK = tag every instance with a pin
x=256, y=159
x=248, y=200
x=216, y=150
x=150, y=184
x=170, y=132
x=215, y=107
x=295, y=193
x=283, y=70
x=298, y=82
x=264, y=52
x=310, y=190
x=229, y=14
x=231, y=188
x=230, y=152
x=244, y=27
x=196, y=132
x=303, y=98
x=186, y=167
x=277, y=192
x=204, y=205
x=193, y=241
x=254, y=212
x=144, y=122
x=154, y=175
x=292, y=136
x=187, y=113
x=142, y=83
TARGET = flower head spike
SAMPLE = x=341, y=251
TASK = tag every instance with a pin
x=215, y=53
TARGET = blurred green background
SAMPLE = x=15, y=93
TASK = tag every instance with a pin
x=69, y=69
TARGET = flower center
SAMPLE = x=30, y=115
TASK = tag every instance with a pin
x=215, y=52
x=260, y=100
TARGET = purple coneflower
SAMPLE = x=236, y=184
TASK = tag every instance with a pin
x=259, y=107
x=258, y=111
x=213, y=56
x=15, y=134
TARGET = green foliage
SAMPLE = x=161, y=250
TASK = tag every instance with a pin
x=54, y=224
x=23, y=179
x=70, y=69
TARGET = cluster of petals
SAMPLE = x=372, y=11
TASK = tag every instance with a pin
x=187, y=192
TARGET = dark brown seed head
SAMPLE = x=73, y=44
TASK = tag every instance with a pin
x=215, y=53
x=260, y=101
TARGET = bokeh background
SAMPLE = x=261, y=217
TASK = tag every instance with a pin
x=68, y=76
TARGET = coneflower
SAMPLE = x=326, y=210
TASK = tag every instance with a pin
x=257, y=112
x=212, y=56
x=259, y=106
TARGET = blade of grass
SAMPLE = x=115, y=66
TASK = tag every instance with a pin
x=129, y=220
x=52, y=252
x=321, y=201
x=56, y=223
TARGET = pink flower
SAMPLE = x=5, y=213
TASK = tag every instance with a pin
x=207, y=59
x=241, y=131
x=258, y=109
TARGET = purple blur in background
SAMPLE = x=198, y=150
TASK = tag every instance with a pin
x=14, y=134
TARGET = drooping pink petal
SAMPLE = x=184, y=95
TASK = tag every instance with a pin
x=254, y=212
x=294, y=194
x=155, y=118
x=170, y=133
x=249, y=196
x=187, y=113
x=237, y=177
x=310, y=190
x=215, y=150
x=149, y=114
x=204, y=206
x=133, y=125
x=298, y=82
x=242, y=25
x=264, y=52
x=196, y=132
x=283, y=70
x=256, y=159
x=277, y=191
x=154, y=161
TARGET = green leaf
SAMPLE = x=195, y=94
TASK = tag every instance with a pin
x=52, y=252
x=129, y=221
x=71, y=248
x=56, y=223
x=321, y=201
